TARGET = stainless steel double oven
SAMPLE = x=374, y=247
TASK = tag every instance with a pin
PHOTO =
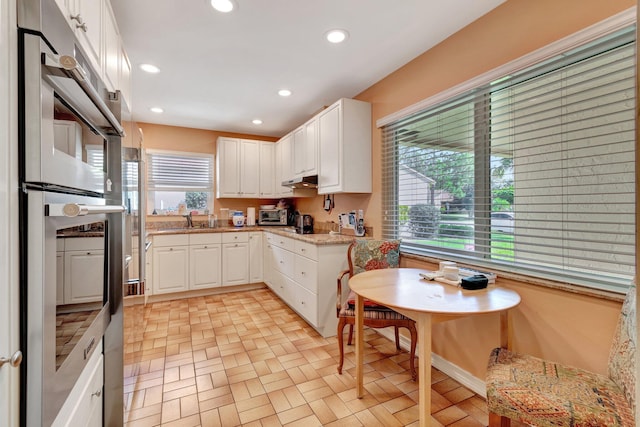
x=71, y=208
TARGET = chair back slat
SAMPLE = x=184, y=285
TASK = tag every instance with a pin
x=622, y=367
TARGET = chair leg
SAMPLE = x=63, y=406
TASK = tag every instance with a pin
x=341, y=325
x=397, y=332
x=350, y=334
x=412, y=352
x=496, y=420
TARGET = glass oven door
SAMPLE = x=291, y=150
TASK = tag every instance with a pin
x=67, y=145
x=68, y=294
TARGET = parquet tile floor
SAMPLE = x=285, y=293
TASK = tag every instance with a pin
x=245, y=358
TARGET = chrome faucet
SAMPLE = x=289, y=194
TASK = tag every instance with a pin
x=189, y=220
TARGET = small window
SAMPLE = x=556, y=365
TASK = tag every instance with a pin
x=175, y=178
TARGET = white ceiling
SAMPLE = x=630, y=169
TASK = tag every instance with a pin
x=221, y=71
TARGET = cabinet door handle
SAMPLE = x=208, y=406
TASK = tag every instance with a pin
x=82, y=26
x=206, y=247
x=97, y=393
x=170, y=249
x=88, y=253
x=303, y=273
x=14, y=361
x=77, y=18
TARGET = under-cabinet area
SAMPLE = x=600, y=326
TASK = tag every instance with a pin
x=300, y=269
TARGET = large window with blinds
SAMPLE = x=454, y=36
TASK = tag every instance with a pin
x=175, y=178
x=532, y=173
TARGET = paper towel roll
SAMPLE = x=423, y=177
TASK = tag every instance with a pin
x=251, y=216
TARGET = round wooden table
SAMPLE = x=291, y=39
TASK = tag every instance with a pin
x=426, y=302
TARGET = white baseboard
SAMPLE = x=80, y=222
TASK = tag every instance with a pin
x=473, y=383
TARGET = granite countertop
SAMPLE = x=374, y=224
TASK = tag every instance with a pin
x=316, y=239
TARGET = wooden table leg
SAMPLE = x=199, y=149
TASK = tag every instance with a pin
x=359, y=326
x=505, y=335
x=424, y=368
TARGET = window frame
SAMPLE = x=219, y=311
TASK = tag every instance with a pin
x=620, y=21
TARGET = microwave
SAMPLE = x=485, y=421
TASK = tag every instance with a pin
x=272, y=217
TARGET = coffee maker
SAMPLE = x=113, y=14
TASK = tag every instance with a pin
x=304, y=224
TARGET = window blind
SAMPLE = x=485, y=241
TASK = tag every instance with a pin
x=169, y=171
x=533, y=173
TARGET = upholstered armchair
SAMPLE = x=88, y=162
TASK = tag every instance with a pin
x=364, y=255
x=547, y=394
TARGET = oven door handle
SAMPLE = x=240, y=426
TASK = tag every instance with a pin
x=71, y=210
x=70, y=67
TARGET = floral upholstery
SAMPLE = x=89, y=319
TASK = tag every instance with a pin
x=544, y=393
x=375, y=254
x=622, y=369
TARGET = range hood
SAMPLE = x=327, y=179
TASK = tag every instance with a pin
x=310, y=181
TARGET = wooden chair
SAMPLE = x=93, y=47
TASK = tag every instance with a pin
x=366, y=255
x=547, y=394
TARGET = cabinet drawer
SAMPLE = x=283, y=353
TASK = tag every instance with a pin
x=283, y=261
x=205, y=238
x=235, y=237
x=306, y=273
x=306, y=303
x=308, y=250
x=83, y=244
x=283, y=242
x=171, y=240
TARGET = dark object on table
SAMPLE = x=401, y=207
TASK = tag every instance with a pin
x=474, y=282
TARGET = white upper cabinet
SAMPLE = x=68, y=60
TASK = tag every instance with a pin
x=344, y=139
x=87, y=20
x=111, y=50
x=94, y=24
x=299, y=151
x=311, y=147
x=283, y=168
x=304, y=149
x=267, y=170
x=238, y=168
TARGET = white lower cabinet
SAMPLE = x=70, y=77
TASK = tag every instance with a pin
x=83, y=270
x=83, y=407
x=256, y=259
x=205, y=258
x=170, y=263
x=295, y=275
x=235, y=258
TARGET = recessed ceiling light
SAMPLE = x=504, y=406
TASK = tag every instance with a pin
x=284, y=92
x=223, y=6
x=256, y=121
x=157, y=110
x=336, y=36
x=149, y=68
